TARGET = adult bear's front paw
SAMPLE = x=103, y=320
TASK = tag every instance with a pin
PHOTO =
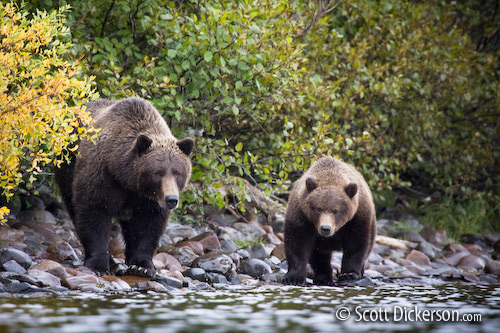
x=294, y=279
x=98, y=264
x=140, y=271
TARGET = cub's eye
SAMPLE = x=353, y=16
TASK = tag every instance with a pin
x=176, y=173
x=335, y=212
x=319, y=210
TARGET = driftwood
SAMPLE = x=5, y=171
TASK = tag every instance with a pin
x=394, y=242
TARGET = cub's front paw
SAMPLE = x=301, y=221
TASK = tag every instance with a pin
x=323, y=280
x=294, y=279
x=351, y=276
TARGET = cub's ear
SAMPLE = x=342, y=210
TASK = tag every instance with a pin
x=142, y=143
x=351, y=190
x=186, y=145
x=311, y=184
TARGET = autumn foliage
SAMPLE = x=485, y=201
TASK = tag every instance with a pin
x=41, y=94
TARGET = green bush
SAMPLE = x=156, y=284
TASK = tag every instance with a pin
x=396, y=88
x=223, y=69
x=403, y=76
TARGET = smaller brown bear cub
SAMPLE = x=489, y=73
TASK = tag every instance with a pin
x=330, y=209
x=134, y=173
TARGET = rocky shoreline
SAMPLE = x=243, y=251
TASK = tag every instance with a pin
x=39, y=252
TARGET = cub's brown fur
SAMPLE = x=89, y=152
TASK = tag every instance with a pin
x=134, y=173
x=330, y=209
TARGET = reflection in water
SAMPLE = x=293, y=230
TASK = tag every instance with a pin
x=259, y=309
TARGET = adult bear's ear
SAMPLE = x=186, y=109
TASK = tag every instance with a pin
x=311, y=184
x=186, y=145
x=351, y=190
x=142, y=143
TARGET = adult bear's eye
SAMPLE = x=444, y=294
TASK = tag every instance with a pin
x=335, y=212
x=319, y=210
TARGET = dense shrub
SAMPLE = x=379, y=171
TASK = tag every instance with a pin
x=40, y=96
x=396, y=88
x=407, y=75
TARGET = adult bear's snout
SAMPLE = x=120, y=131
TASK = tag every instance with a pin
x=172, y=201
x=325, y=230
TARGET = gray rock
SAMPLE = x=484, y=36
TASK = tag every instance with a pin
x=412, y=236
x=217, y=278
x=244, y=254
x=236, y=258
x=179, y=232
x=228, y=245
x=165, y=239
x=385, y=227
x=454, y=258
x=14, y=267
x=363, y=282
x=250, y=231
x=196, y=273
x=185, y=255
x=255, y=267
x=90, y=288
x=25, y=288
x=428, y=249
x=375, y=258
x=44, y=278
x=168, y=281
x=228, y=233
x=21, y=257
x=380, y=249
x=273, y=262
x=213, y=262
x=276, y=277
x=37, y=215
x=63, y=252
x=257, y=251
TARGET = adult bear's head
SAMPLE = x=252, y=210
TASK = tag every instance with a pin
x=163, y=168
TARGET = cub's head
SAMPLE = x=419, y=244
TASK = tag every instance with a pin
x=163, y=170
x=329, y=207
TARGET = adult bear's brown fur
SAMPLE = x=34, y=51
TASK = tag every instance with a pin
x=133, y=173
x=330, y=209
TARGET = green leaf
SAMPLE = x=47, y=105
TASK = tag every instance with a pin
x=235, y=109
x=208, y=56
x=238, y=147
x=172, y=53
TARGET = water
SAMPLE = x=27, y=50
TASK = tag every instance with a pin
x=270, y=308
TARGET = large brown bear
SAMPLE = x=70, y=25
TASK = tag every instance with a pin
x=134, y=173
x=330, y=209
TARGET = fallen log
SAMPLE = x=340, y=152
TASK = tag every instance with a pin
x=394, y=242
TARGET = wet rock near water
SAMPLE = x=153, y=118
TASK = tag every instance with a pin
x=39, y=252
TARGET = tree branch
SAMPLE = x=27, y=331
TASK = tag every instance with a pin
x=323, y=9
x=106, y=17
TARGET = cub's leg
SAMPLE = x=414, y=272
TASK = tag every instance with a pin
x=322, y=267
